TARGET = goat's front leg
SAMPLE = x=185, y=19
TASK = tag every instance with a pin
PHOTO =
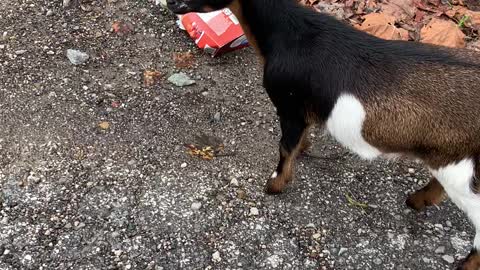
x=432, y=194
x=293, y=141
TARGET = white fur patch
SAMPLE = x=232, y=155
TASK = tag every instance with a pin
x=345, y=125
x=456, y=179
x=274, y=174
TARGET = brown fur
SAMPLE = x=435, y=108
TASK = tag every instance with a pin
x=432, y=194
x=472, y=262
x=428, y=114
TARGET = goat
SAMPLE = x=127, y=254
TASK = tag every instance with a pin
x=376, y=97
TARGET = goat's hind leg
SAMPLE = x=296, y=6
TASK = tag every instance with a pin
x=431, y=194
x=293, y=141
x=457, y=179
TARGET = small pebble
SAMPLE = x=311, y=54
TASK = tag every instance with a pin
x=216, y=257
x=20, y=52
x=77, y=57
x=117, y=252
x=180, y=79
x=196, y=206
x=217, y=116
x=377, y=261
x=440, y=250
x=341, y=251
x=234, y=182
x=316, y=236
x=49, y=13
x=411, y=170
x=183, y=165
x=448, y=223
x=448, y=258
x=254, y=211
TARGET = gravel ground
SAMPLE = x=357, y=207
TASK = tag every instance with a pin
x=78, y=196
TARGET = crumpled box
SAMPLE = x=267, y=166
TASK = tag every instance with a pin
x=215, y=32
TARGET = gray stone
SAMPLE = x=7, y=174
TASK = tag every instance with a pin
x=196, y=206
x=77, y=57
x=448, y=258
x=180, y=79
x=440, y=250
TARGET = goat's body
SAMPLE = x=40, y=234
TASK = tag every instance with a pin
x=418, y=99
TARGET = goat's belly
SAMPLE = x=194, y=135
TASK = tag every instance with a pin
x=345, y=125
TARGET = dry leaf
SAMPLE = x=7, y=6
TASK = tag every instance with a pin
x=150, y=77
x=206, y=152
x=442, y=32
x=401, y=10
x=471, y=18
x=419, y=16
x=104, y=125
x=382, y=26
x=183, y=60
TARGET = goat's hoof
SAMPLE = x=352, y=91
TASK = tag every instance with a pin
x=416, y=201
x=472, y=262
x=275, y=186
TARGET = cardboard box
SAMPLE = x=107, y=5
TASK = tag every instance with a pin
x=215, y=32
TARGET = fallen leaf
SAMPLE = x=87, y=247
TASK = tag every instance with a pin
x=150, y=77
x=206, y=152
x=470, y=18
x=442, y=32
x=206, y=147
x=401, y=10
x=183, y=60
x=382, y=26
x=122, y=28
x=104, y=125
x=419, y=16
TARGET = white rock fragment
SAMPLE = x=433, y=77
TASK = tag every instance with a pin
x=440, y=250
x=234, y=182
x=77, y=57
x=342, y=251
x=180, y=79
x=254, y=211
x=163, y=3
x=275, y=261
x=183, y=165
x=448, y=258
x=216, y=257
x=196, y=206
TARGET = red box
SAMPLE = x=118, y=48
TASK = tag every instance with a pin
x=215, y=32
